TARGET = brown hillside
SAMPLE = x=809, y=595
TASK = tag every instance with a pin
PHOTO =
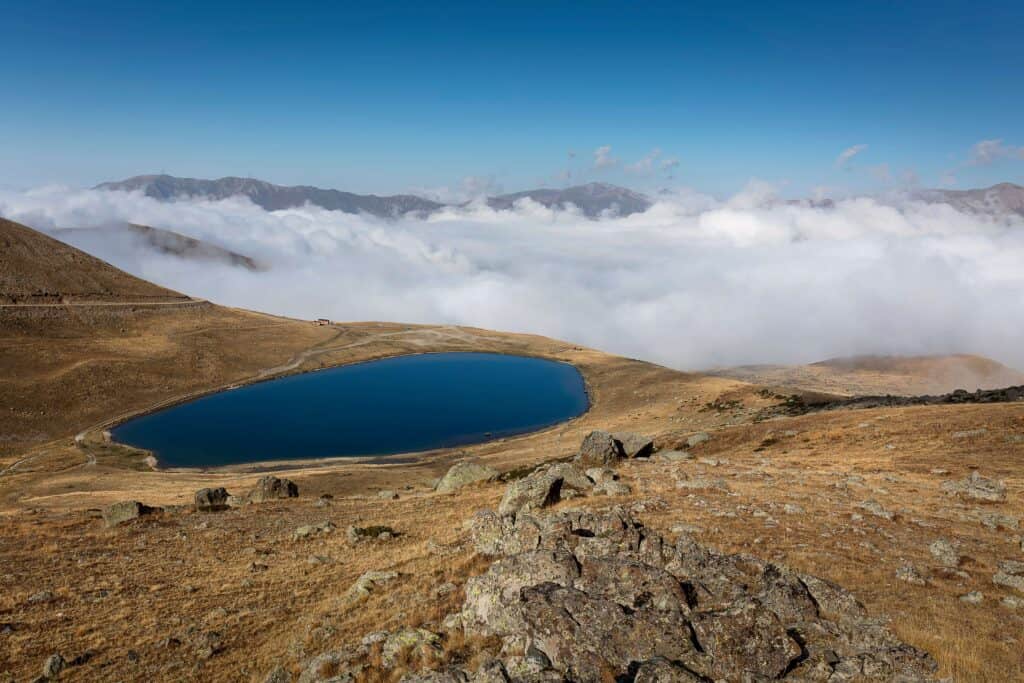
x=36, y=269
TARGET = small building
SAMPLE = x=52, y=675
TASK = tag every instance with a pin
x=323, y=321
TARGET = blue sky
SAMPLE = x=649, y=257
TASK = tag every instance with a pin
x=406, y=96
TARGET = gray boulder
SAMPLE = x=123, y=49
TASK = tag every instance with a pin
x=634, y=445
x=535, y=491
x=464, y=473
x=598, y=450
x=212, y=499
x=124, y=511
x=272, y=488
x=697, y=439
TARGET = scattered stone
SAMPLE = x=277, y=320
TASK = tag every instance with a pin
x=977, y=487
x=792, y=509
x=875, y=508
x=272, y=488
x=941, y=471
x=387, y=495
x=53, y=665
x=703, y=483
x=675, y=456
x=911, y=574
x=969, y=433
x=369, y=582
x=697, y=439
x=211, y=499
x=998, y=522
x=573, y=479
x=1012, y=602
x=307, y=530
x=124, y=511
x=41, y=597
x=599, y=449
x=278, y=675
x=611, y=487
x=355, y=534
x=634, y=445
x=973, y=598
x=411, y=643
x=322, y=502
x=257, y=567
x=1015, y=582
x=464, y=473
x=943, y=551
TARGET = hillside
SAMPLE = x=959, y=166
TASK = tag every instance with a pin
x=160, y=240
x=872, y=375
x=38, y=269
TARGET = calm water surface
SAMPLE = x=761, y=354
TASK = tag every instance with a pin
x=396, y=405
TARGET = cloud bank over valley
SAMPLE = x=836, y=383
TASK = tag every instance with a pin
x=692, y=282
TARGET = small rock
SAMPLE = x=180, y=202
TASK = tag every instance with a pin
x=599, y=449
x=278, y=675
x=977, y=487
x=943, y=551
x=308, y=530
x=910, y=574
x=53, y=665
x=973, y=598
x=875, y=508
x=535, y=491
x=634, y=445
x=996, y=521
x=969, y=433
x=41, y=597
x=272, y=488
x=675, y=456
x=610, y=487
x=369, y=582
x=211, y=499
x=697, y=439
x=464, y=473
x=1012, y=602
x=792, y=509
x=387, y=495
x=355, y=534
x=939, y=471
x=124, y=511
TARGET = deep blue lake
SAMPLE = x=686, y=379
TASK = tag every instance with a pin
x=395, y=405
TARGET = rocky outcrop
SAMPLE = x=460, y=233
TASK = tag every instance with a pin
x=212, y=499
x=464, y=473
x=125, y=511
x=582, y=596
x=978, y=488
x=272, y=488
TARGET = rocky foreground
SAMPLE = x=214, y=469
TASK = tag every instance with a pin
x=582, y=595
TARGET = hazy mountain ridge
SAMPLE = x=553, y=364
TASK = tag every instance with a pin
x=592, y=199
x=163, y=241
x=269, y=196
x=1000, y=199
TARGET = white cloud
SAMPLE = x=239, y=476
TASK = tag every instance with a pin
x=985, y=152
x=644, y=166
x=844, y=158
x=603, y=157
x=690, y=283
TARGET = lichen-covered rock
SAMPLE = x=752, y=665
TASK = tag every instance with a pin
x=634, y=445
x=533, y=492
x=368, y=583
x=124, y=511
x=977, y=487
x=595, y=596
x=414, y=643
x=598, y=450
x=464, y=473
x=211, y=499
x=272, y=488
x=944, y=551
x=697, y=439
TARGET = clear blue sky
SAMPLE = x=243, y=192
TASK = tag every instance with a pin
x=412, y=95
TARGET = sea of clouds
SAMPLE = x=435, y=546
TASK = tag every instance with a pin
x=691, y=283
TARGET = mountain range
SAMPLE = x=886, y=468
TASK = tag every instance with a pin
x=592, y=199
